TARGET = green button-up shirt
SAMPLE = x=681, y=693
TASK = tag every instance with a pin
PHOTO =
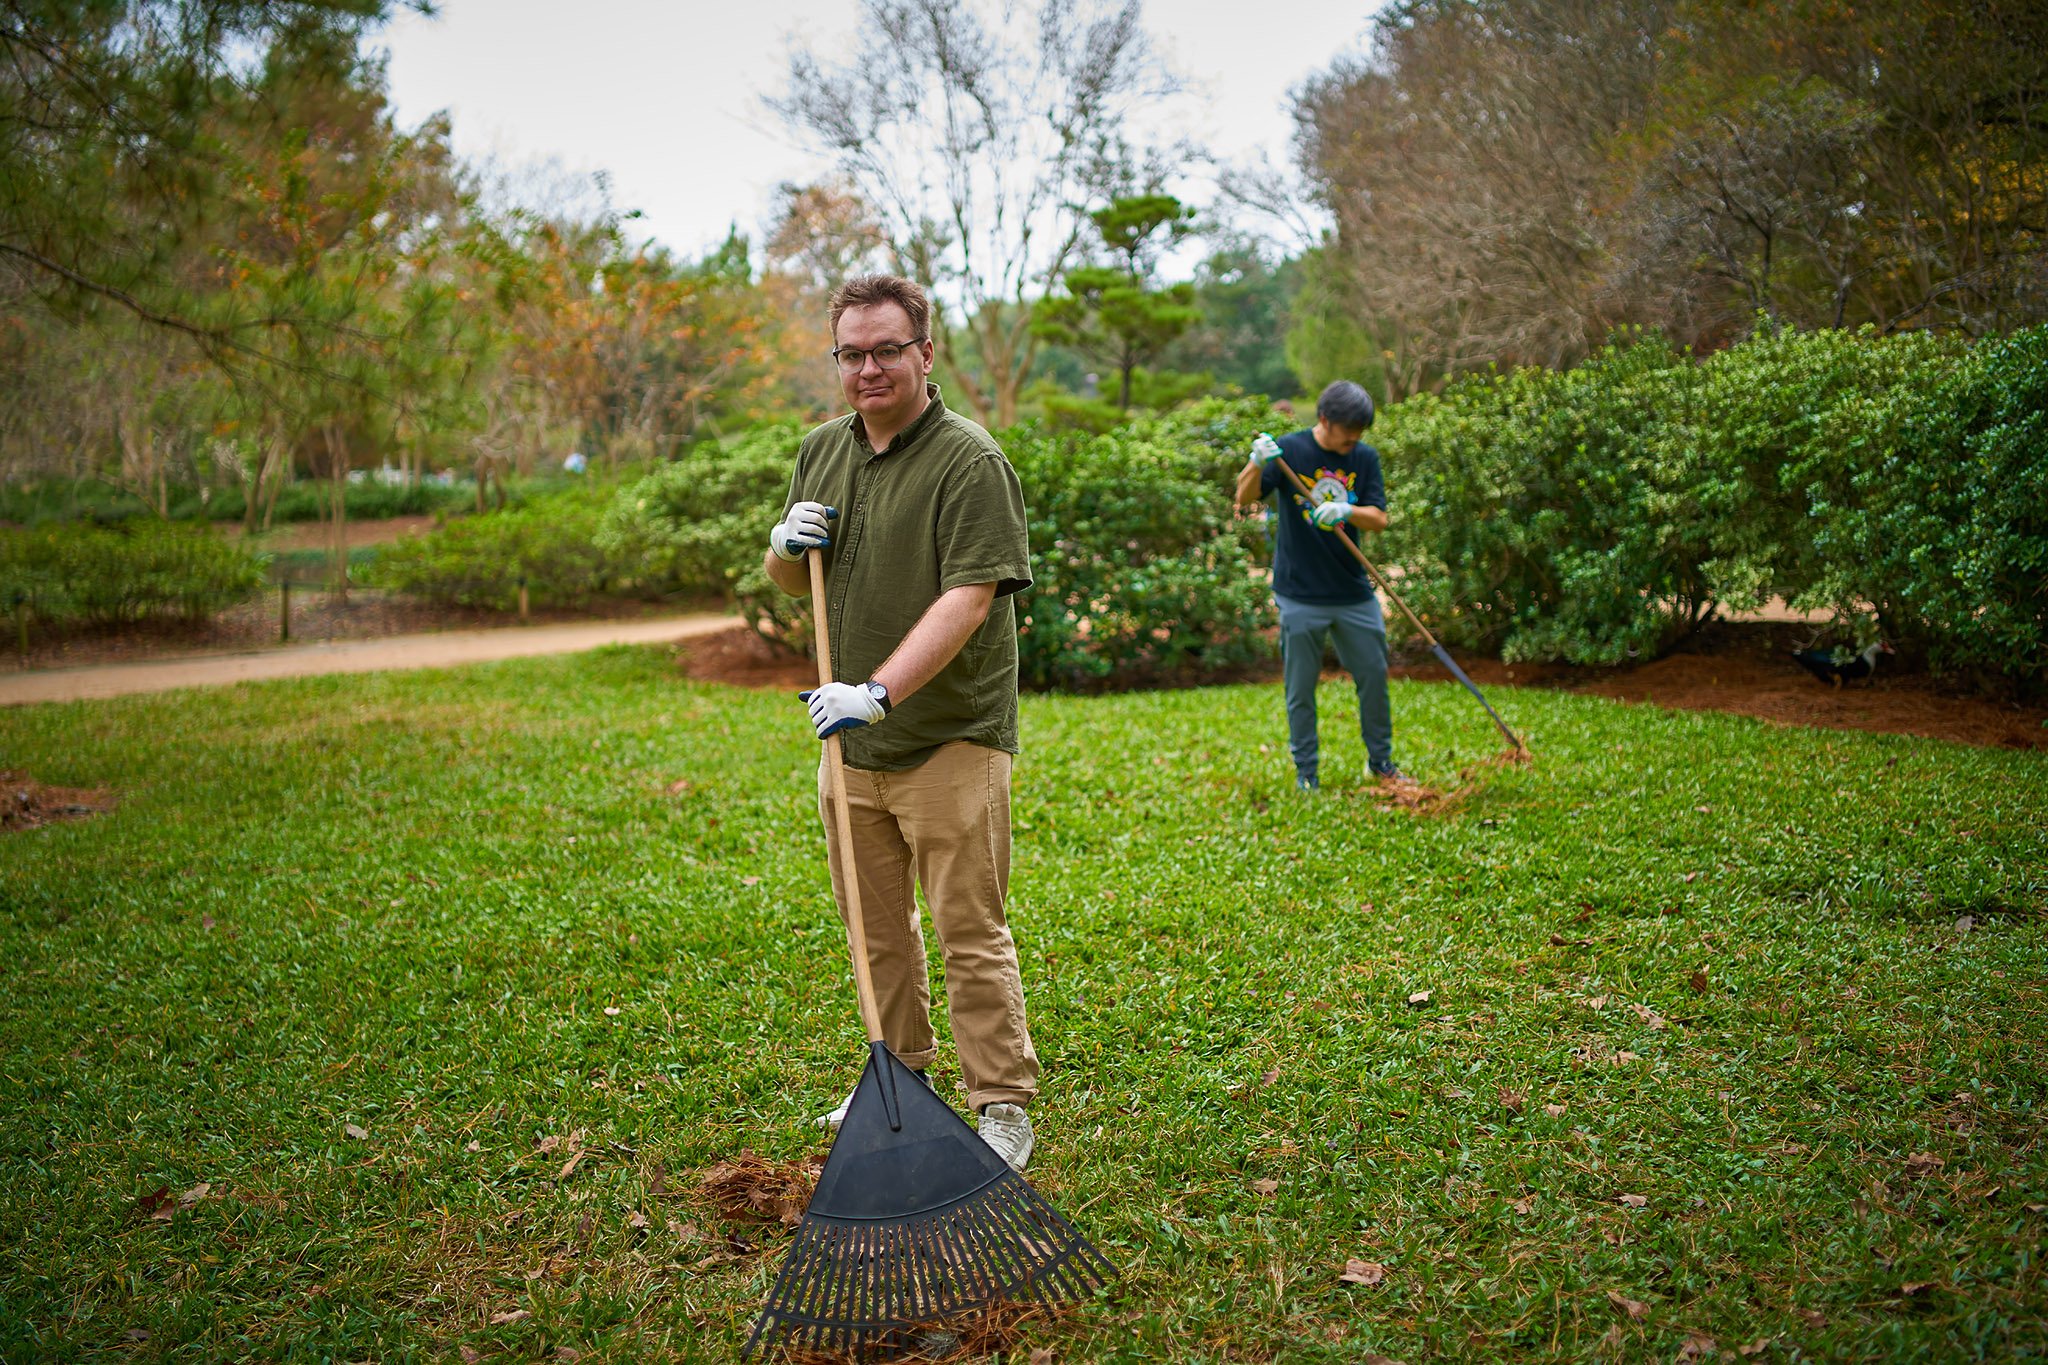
x=940, y=509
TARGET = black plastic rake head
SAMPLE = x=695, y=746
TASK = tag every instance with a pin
x=915, y=1220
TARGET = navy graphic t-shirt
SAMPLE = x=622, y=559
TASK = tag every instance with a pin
x=1308, y=563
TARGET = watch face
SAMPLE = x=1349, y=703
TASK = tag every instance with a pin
x=879, y=693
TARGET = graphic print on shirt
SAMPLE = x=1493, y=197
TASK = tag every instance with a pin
x=1329, y=485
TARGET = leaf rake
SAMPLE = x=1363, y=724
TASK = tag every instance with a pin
x=915, y=1219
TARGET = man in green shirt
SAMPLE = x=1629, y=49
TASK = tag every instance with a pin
x=921, y=519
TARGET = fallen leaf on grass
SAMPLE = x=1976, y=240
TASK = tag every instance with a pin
x=470, y=1355
x=1512, y=1100
x=510, y=1315
x=1699, y=981
x=1912, y=1287
x=1649, y=1016
x=1555, y=1111
x=1420, y=998
x=195, y=1194
x=1813, y=1319
x=137, y=1334
x=569, y=1166
x=360, y=1134
x=1923, y=1163
x=156, y=1204
x=1634, y=1201
x=1270, y=1076
x=1697, y=1348
x=750, y=881
x=568, y=1354
x=1635, y=1308
x=1755, y=1348
x=638, y=1220
x=1965, y=923
x=611, y=1011
x=474, y=1146
x=1597, y=1002
x=685, y=1232
x=1526, y=1204
x=1041, y=1355
x=1266, y=1187
x=749, y=1186
x=1367, y=1273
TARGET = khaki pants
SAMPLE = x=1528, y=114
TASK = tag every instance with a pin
x=943, y=826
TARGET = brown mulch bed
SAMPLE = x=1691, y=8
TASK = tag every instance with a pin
x=1746, y=668
x=27, y=804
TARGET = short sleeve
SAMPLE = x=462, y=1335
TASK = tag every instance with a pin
x=1372, y=487
x=981, y=531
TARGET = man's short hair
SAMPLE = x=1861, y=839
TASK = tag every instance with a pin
x=1343, y=404
x=864, y=291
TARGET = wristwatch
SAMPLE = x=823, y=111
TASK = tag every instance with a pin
x=880, y=694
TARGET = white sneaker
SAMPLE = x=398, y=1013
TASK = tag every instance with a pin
x=832, y=1120
x=1007, y=1129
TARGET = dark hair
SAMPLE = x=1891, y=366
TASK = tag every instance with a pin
x=864, y=291
x=1345, y=404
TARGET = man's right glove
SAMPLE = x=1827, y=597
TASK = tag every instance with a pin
x=1265, y=450
x=806, y=527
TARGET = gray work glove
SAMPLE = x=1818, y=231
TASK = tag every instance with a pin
x=805, y=527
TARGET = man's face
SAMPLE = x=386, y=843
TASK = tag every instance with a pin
x=883, y=397
x=1337, y=440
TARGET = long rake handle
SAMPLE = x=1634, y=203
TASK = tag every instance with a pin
x=1443, y=655
x=835, y=770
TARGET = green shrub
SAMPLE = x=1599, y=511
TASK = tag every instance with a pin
x=108, y=575
x=308, y=500
x=479, y=561
x=1141, y=570
x=1526, y=511
x=1770, y=452
x=699, y=524
x=1601, y=513
x=1931, y=505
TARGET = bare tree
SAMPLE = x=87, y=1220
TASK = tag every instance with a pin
x=973, y=130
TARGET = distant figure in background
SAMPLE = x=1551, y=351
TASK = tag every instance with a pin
x=575, y=464
x=1323, y=593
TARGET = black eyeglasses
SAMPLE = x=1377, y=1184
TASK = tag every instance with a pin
x=889, y=355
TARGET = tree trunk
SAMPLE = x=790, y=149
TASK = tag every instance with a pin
x=337, y=469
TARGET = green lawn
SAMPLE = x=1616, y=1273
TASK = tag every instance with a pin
x=1695, y=959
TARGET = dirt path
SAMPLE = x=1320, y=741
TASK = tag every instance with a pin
x=440, y=649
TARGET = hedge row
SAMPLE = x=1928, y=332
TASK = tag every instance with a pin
x=109, y=575
x=548, y=541
x=1141, y=571
x=1600, y=513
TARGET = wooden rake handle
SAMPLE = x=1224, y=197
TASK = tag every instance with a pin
x=842, y=821
x=1301, y=491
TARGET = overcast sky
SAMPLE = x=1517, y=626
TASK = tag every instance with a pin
x=666, y=97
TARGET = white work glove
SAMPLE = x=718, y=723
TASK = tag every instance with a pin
x=1265, y=450
x=841, y=706
x=1332, y=514
x=806, y=527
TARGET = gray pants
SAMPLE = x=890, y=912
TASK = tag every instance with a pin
x=1360, y=635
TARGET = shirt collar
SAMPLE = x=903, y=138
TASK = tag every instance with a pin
x=934, y=408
